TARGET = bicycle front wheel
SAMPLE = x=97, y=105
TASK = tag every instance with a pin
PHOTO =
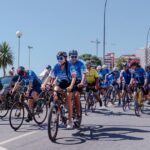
x=16, y=115
x=40, y=111
x=53, y=122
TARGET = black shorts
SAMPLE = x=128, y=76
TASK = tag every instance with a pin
x=63, y=84
x=91, y=86
x=76, y=88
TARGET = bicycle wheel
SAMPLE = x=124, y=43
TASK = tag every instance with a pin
x=40, y=111
x=107, y=98
x=16, y=115
x=53, y=122
x=3, y=108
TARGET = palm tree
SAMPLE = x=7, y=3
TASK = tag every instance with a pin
x=6, y=56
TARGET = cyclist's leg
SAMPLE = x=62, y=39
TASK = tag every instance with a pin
x=69, y=106
x=77, y=101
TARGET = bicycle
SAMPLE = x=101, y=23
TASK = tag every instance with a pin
x=127, y=99
x=91, y=101
x=17, y=113
x=57, y=115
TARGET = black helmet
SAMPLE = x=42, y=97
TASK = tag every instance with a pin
x=21, y=71
x=73, y=52
x=48, y=67
x=61, y=53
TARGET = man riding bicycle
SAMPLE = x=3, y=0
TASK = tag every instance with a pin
x=29, y=78
x=125, y=77
x=138, y=78
x=80, y=77
x=92, y=80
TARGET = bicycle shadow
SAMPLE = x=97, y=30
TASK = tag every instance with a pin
x=114, y=133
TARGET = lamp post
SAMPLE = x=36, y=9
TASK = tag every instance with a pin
x=29, y=47
x=146, y=49
x=96, y=42
x=104, y=31
x=18, y=34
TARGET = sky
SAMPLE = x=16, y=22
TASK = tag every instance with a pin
x=53, y=25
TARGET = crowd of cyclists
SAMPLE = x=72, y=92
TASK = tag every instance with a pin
x=72, y=75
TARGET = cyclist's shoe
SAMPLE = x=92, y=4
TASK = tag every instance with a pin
x=70, y=125
x=119, y=103
x=29, y=118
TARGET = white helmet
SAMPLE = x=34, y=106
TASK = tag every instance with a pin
x=115, y=69
x=99, y=67
x=104, y=66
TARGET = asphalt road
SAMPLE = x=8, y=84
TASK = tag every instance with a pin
x=106, y=128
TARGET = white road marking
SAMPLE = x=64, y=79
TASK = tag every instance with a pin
x=2, y=148
x=16, y=138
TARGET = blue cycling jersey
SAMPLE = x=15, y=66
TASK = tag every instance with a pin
x=30, y=76
x=80, y=69
x=113, y=76
x=148, y=77
x=104, y=72
x=126, y=74
x=60, y=74
x=139, y=75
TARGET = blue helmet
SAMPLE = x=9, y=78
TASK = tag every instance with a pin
x=73, y=52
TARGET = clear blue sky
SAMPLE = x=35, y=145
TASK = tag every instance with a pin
x=53, y=25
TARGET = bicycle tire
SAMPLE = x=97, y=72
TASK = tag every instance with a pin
x=53, y=110
x=16, y=106
x=37, y=115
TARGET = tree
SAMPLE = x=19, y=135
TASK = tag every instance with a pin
x=94, y=59
x=119, y=62
x=6, y=56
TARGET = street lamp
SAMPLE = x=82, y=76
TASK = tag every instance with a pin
x=104, y=31
x=29, y=47
x=18, y=34
x=96, y=42
x=146, y=49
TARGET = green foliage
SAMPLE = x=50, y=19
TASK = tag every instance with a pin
x=120, y=61
x=88, y=57
x=6, y=56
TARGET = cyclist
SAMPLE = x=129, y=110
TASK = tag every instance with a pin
x=112, y=78
x=138, y=78
x=92, y=81
x=63, y=76
x=105, y=70
x=80, y=77
x=125, y=77
x=29, y=78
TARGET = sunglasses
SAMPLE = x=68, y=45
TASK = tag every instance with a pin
x=73, y=57
x=60, y=58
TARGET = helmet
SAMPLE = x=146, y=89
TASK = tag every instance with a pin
x=104, y=66
x=88, y=62
x=134, y=62
x=99, y=67
x=125, y=64
x=21, y=71
x=61, y=53
x=115, y=69
x=48, y=67
x=73, y=52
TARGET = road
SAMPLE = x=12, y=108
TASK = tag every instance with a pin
x=106, y=128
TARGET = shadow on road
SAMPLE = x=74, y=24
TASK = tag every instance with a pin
x=114, y=133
